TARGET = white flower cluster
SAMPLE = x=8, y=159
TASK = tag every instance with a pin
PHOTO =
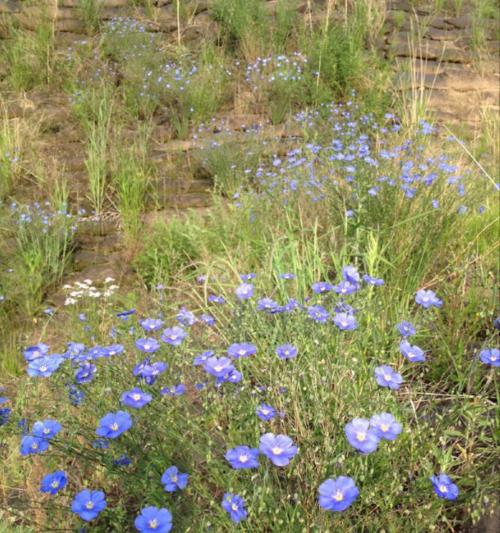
x=87, y=289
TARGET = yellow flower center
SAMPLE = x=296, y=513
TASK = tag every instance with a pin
x=276, y=450
x=387, y=377
x=114, y=426
x=338, y=496
x=443, y=488
x=136, y=397
x=243, y=458
x=89, y=505
x=54, y=484
x=218, y=368
x=384, y=427
x=361, y=436
x=234, y=507
x=153, y=524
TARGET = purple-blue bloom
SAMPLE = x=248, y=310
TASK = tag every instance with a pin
x=490, y=356
x=318, y=313
x=136, y=398
x=265, y=412
x=87, y=504
x=385, y=426
x=377, y=282
x=85, y=373
x=345, y=321
x=321, y=287
x=54, y=482
x=34, y=352
x=244, y=291
x=444, y=487
x=337, y=494
x=154, y=520
x=412, y=353
x=361, y=436
x=243, y=457
x=174, y=336
x=387, y=377
x=267, y=305
x=350, y=273
x=346, y=287
x=186, y=317
x=113, y=425
x=147, y=345
x=33, y=445
x=241, y=349
x=286, y=351
x=44, y=366
x=427, y=298
x=406, y=329
x=278, y=448
x=151, y=324
x=200, y=359
x=235, y=506
x=218, y=366
x=174, y=480
x=46, y=429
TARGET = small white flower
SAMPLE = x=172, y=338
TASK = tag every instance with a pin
x=69, y=301
x=109, y=279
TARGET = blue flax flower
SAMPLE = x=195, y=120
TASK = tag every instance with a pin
x=244, y=291
x=113, y=425
x=278, y=448
x=218, y=366
x=154, y=520
x=151, y=324
x=286, y=351
x=412, y=353
x=345, y=321
x=34, y=352
x=33, y=445
x=349, y=273
x=186, y=317
x=490, y=356
x=265, y=412
x=173, y=480
x=361, y=436
x=85, y=373
x=174, y=336
x=44, y=366
x=387, y=377
x=147, y=345
x=243, y=457
x=385, y=426
x=444, y=487
x=235, y=506
x=46, y=429
x=318, y=313
x=427, y=298
x=87, y=504
x=136, y=398
x=406, y=329
x=54, y=482
x=377, y=282
x=321, y=287
x=241, y=349
x=337, y=494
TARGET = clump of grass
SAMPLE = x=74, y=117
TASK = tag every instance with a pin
x=30, y=56
x=90, y=13
x=98, y=132
x=10, y=145
x=130, y=179
x=169, y=251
